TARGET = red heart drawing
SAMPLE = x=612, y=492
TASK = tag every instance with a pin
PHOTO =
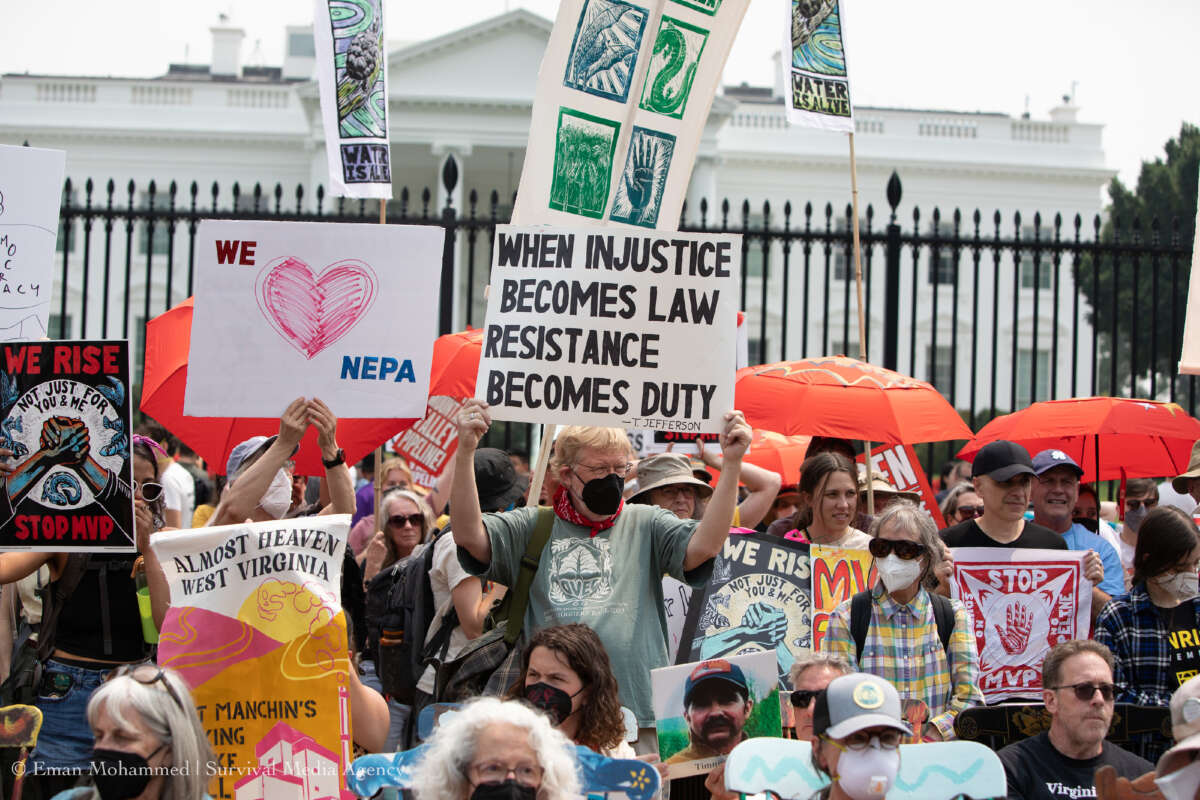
x=312, y=312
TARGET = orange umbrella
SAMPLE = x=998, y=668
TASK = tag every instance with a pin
x=847, y=398
x=168, y=339
x=456, y=363
x=778, y=453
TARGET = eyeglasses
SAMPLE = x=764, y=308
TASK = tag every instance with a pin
x=149, y=490
x=882, y=548
x=497, y=772
x=860, y=740
x=1085, y=691
x=1134, y=503
x=600, y=470
x=803, y=698
x=968, y=512
x=401, y=520
x=142, y=674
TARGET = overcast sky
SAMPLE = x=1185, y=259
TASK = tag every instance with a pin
x=1133, y=66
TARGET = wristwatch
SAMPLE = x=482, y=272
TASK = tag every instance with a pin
x=338, y=459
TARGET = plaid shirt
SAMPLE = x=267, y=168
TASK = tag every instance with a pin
x=902, y=646
x=1132, y=627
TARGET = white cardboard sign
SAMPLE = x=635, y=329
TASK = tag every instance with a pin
x=347, y=313
x=31, y=182
x=611, y=327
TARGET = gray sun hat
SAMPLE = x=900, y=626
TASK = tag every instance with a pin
x=243, y=451
x=667, y=469
x=854, y=702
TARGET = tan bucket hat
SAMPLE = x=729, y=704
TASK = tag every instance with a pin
x=667, y=469
x=1180, y=483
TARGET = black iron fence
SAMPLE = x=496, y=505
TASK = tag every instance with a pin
x=996, y=311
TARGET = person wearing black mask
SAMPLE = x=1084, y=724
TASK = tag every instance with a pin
x=604, y=561
x=150, y=744
x=566, y=673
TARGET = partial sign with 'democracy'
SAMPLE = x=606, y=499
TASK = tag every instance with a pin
x=624, y=329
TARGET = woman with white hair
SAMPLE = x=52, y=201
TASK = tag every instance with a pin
x=150, y=744
x=497, y=750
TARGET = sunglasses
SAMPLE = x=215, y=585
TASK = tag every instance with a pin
x=803, y=698
x=1133, y=504
x=1085, y=691
x=860, y=740
x=400, y=520
x=882, y=548
x=149, y=490
x=147, y=675
x=966, y=512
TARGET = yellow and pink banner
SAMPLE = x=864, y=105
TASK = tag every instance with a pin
x=256, y=627
x=837, y=575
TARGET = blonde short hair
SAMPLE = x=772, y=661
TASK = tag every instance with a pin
x=571, y=440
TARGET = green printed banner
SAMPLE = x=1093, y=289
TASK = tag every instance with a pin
x=818, y=85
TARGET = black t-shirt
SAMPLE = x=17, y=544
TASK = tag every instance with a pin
x=1036, y=771
x=969, y=534
x=1183, y=643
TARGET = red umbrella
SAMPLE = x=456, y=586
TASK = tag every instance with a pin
x=1107, y=436
x=778, y=453
x=168, y=338
x=456, y=363
x=847, y=398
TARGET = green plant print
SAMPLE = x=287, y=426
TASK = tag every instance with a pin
x=583, y=163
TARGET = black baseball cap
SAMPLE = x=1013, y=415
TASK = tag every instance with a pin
x=497, y=481
x=1001, y=461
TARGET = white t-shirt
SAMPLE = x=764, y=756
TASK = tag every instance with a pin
x=179, y=492
x=444, y=574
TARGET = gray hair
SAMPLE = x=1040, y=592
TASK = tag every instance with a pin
x=908, y=516
x=167, y=710
x=806, y=661
x=442, y=773
x=949, y=507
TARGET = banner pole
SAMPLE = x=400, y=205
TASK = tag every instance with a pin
x=862, y=322
x=543, y=459
x=379, y=451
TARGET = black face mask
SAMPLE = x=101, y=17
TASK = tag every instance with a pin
x=551, y=699
x=603, y=495
x=119, y=775
x=508, y=790
x=1089, y=523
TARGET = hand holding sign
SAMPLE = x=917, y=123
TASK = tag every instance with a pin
x=473, y=422
x=294, y=422
x=321, y=418
x=735, y=438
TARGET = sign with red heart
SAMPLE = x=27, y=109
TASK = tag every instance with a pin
x=347, y=313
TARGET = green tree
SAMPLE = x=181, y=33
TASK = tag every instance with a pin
x=1160, y=211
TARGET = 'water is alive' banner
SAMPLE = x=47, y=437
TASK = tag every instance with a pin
x=818, y=93
x=257, y=629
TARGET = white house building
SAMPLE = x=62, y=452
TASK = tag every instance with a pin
x=468, y=96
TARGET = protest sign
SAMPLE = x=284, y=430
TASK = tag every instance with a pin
x=300, y=309
x=352, y=76
x=758, y=599
x=256, y=628
x=430, y=443
x=31, y=181
x=1022, y=602
x=66, y=419
x=676, y=596
x=837, y=575
x=899, y=466
x=690, y=737
x=1189, y=358
x=818, y=87
x=628, y=330
x=623, y=95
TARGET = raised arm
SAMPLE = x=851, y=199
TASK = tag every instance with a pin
x=242, y=497
x=473, y=421
x=763, y=485
x=337, y=478
x=713, y=530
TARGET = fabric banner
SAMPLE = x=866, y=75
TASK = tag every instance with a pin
x=343, y=312
x=837, y=575
x=1189, y=359
x=256, y=628
x=758, y=599
x=819, y=87
x=31, y=187
x=351, y=56
x=623, y=96
x=628, y=330
x=66, y=419
x=898, y=465
x=429, y=445
x=1022, y=602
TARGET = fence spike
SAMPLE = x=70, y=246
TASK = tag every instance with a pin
x=894, y=192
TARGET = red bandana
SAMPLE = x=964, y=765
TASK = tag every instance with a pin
x=565, y=509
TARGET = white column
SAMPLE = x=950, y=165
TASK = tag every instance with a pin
x=703, y=186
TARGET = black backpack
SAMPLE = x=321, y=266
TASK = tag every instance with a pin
x=860, y=620
x=400, y=611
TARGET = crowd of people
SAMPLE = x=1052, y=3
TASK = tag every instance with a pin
x=898, y=662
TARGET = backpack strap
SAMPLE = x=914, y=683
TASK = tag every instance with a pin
x=860, y=621
x=943, y=615
x=529, y=567
x=55, y=596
